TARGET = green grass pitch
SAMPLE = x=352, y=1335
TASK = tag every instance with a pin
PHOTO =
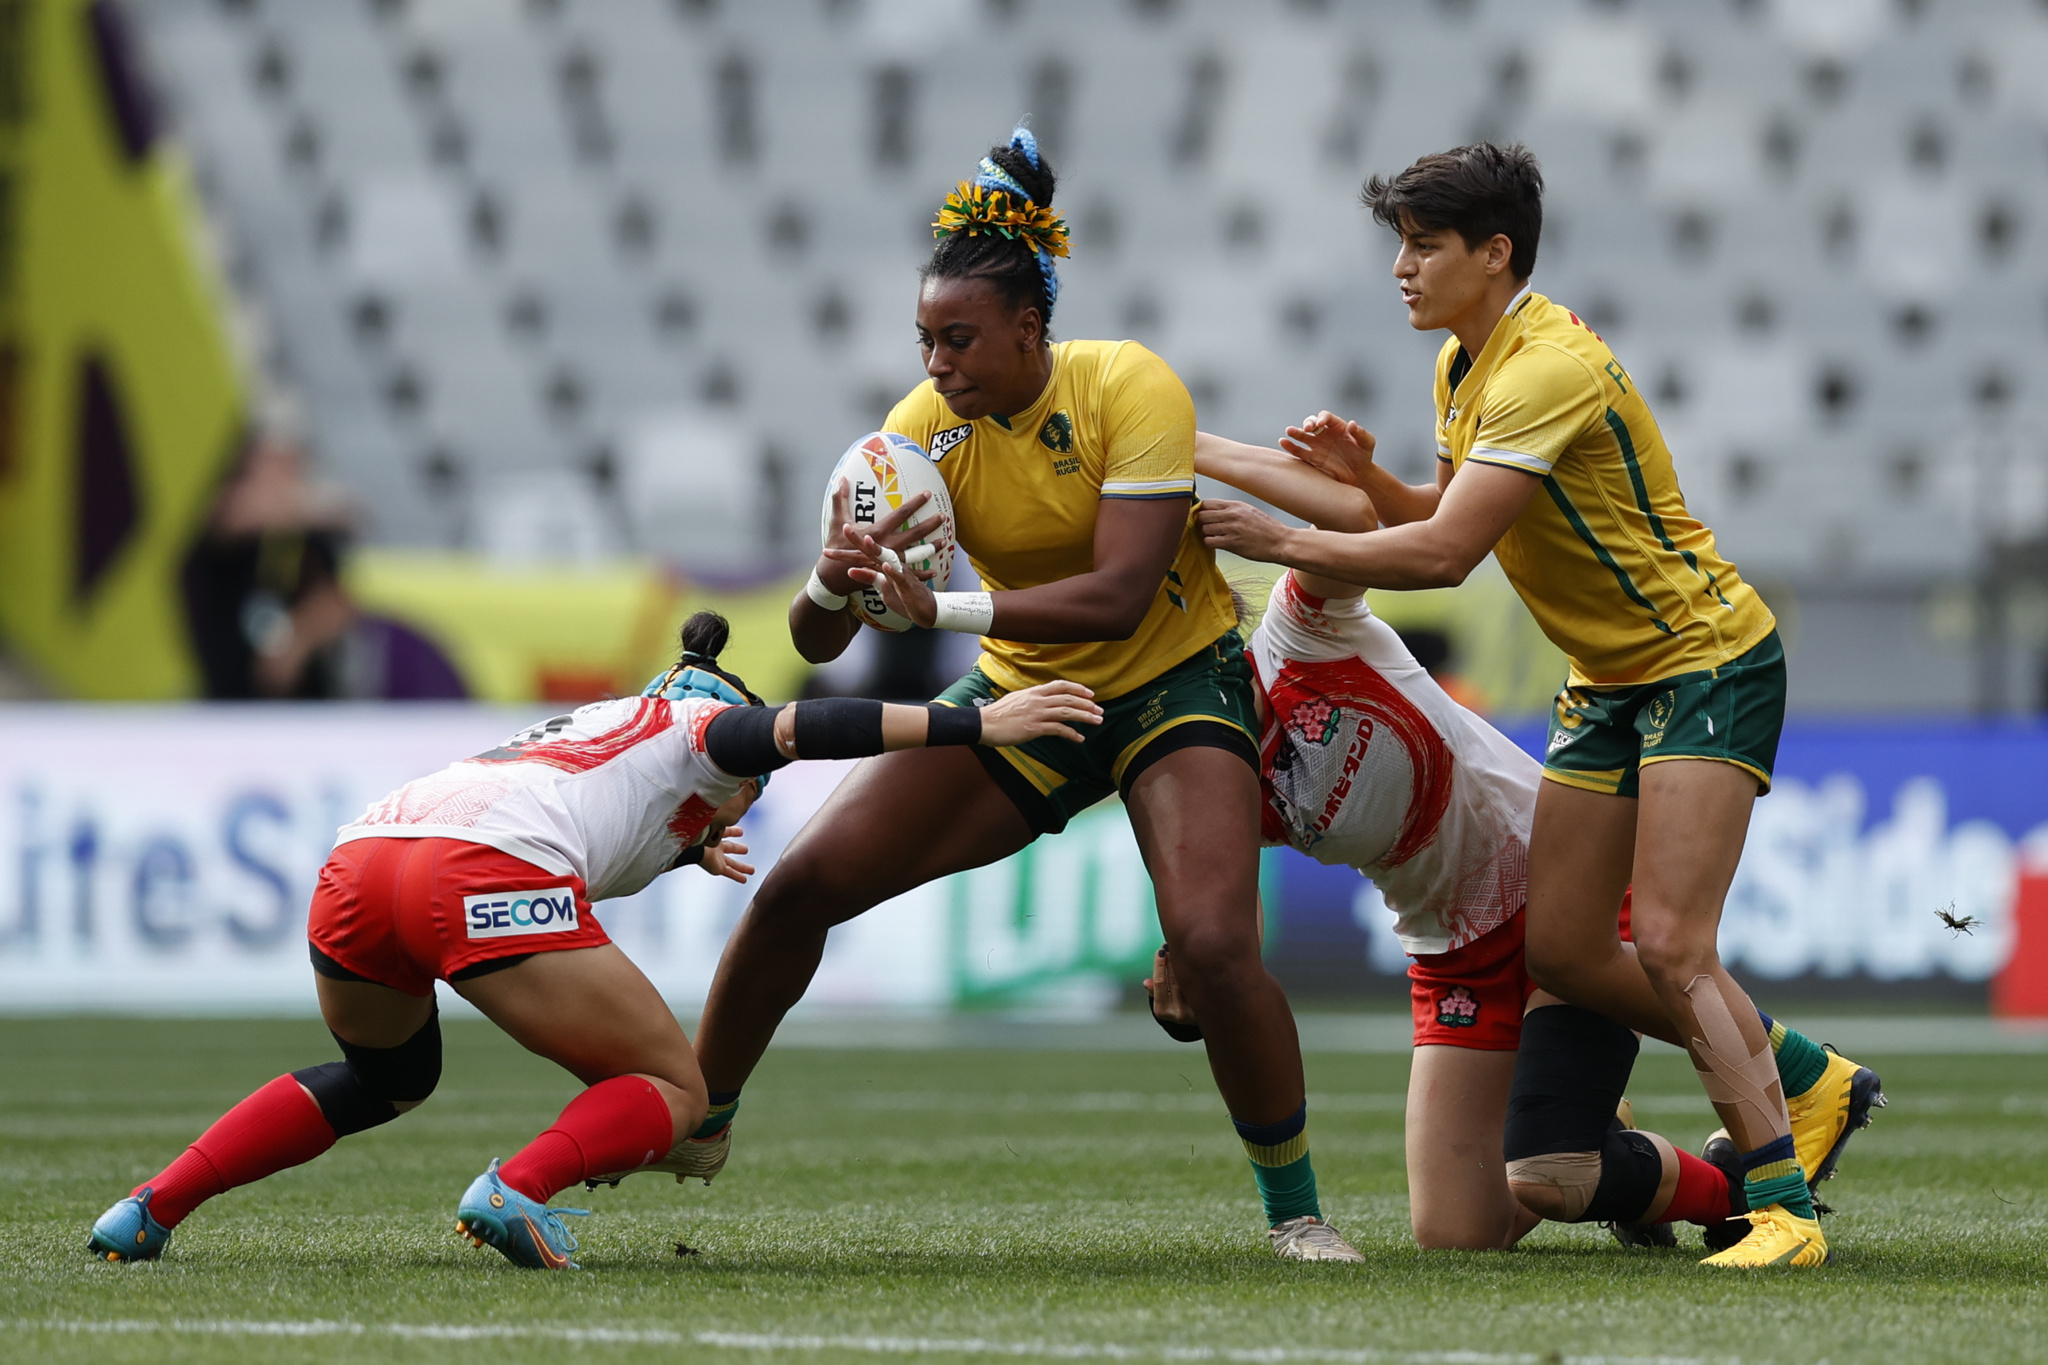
x=962, y=1205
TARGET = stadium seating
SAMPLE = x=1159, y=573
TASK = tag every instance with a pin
x=556, y=241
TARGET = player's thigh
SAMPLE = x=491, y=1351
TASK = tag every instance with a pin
x=1581, y=850
x=897, y=821
x=590, y=1011
x=370, y=1015
x=1457, y=1177
x=1692, y=820
x=1195, y=813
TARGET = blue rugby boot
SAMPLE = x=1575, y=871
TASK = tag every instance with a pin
x=126, y=1232
x=528, y=1232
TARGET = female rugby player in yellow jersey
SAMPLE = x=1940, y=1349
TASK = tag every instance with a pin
x=1071, y=470
x=1665, y=734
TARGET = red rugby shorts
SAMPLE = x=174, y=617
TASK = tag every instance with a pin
x=1474, y=996
x=405, y=912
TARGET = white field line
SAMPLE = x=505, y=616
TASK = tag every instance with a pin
x=871, y=1345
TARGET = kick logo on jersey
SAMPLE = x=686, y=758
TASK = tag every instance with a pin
x=1057, y=435
x=505, y=914
x=1457, y=1008
x=950, y=437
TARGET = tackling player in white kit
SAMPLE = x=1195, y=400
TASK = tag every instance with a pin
x=482, y=875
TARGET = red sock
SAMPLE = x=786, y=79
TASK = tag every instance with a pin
x=277, y=1127
x=616, y=1125
x=1702, y=1193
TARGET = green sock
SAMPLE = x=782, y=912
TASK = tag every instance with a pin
x=1280, y=1165
x=1800, y=1060
x=724, y=1104
x=1771, y=1175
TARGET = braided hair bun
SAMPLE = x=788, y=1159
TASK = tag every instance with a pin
x=1000, y=227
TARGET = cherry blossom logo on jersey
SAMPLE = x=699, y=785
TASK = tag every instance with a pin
x=1457, y=1008
x=1316, y=720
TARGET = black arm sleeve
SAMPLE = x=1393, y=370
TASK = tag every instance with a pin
x=953, y=725
x=838, y=727
x=741, y=740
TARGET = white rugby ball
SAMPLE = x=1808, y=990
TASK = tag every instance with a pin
x=883, y=471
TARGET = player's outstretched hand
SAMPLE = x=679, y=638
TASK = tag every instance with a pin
x=906, y=587
x=832, y=570
x=722, y=854
x=1330, y=444
x=1242, y=529
x=1053, y=708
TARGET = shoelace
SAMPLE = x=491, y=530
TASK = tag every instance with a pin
x=1320, y=1234
x=561, y=1229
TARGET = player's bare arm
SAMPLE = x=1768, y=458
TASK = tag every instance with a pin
x=1135, y=542
x=1478, y=508
x=1343, y=450
x=1301, y=488
x=822, y=634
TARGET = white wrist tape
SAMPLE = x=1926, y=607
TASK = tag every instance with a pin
x=970, y=613
x=816, y=590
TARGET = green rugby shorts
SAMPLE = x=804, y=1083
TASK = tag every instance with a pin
x=1602, y=737
x=1204, y=701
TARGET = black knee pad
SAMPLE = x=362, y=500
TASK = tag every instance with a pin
x=358, y=1093
x=1631, y=1168
x=1570, y=1072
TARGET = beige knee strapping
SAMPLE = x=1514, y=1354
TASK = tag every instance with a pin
x=1735, y=1075
x=1574, y=1175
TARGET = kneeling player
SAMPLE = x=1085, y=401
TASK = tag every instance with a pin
x=482, y=875
x=1367, y=762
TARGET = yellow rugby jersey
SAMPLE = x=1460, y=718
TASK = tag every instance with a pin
x=1620, y=576
x=1114, y=422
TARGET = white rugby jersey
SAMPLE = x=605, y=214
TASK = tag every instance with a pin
x=1367, y=763
x=612, y=792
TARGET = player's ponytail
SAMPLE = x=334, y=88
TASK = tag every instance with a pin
x=697, y=673
x=704, y=636
x=1000, y=227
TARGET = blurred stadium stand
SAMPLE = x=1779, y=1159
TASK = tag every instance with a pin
x=553, y=278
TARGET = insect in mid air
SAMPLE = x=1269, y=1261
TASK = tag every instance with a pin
x=1954, y=923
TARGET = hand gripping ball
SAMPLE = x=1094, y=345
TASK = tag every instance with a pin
x=883, y=471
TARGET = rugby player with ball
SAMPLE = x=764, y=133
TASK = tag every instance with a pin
x=1069, y=468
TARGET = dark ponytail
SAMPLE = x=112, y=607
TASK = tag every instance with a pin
x=703, y=640
x=704, y=637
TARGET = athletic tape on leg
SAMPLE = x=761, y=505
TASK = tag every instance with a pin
x=1748, y=1080
x=1574, y=1175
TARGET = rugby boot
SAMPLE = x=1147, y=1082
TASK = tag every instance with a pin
x=1834, y=1107
x=1775, y=1237
x=1642, y=1235
x=699, y=1157
x=1719, y=1152
x=1309, y=1238
x=126, y=1232
x=527, y=1231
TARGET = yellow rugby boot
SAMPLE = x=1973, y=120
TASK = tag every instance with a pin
x=1775, y=1238
x=1828, y=1111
